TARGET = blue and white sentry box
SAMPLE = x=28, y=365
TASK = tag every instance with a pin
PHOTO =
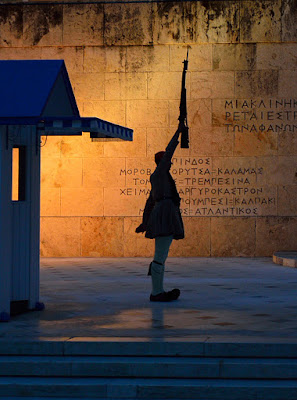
x=36, y=99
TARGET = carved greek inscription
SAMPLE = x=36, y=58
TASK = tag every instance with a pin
x=206, y=190
x=260, y=116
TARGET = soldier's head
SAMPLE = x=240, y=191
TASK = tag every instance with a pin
x=159, y=156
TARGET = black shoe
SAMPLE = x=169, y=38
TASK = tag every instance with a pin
x=163, y=297
x=174, y=294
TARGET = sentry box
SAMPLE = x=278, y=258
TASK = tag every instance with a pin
x=36, y=99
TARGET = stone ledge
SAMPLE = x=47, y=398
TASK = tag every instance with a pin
x=286, y=258
x=170, y=347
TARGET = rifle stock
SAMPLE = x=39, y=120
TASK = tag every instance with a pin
x=184, y=141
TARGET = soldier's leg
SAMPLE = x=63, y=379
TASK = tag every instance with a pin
x=157, y=267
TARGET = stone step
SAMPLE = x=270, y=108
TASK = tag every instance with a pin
x=67, y=398
x=264, y=348
x=286, y=258
x=151, y=388
x=143, y=367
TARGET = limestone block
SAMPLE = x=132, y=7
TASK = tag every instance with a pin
x=157, y=140
x=125, y=201
x=277, y=170
x=275, y=234
x=255, y=123
x=218, y=22
x=73, y=56
x=82, y=202
x=116, y=59
x=237, y=171
x=127, y=24
x=260, y=21
x=277, y=56
x=287, y=200
x=43, y=25
x=50, y=202
x=259, y=200
x=225, y=198
x=197, y=239
x=289, y=17
x=102, y=236
x=200, y=57
x=147, y=114
x=212, y=203
x=88, y=85
x=125, y=86
x=164, y=85
x=222, y=143
x=200, y=142
x=82, y=24
x=94, y=59
x=103, y=172
x=136, y=148
x=211, y=84
x=80, y=146
x=105, y=59
x=136, y=244
x=233, y=237
x=113, y=111
x=174, y=22
x=256, y=83
x=230, y=57
x=20, y=53
x=57, y=172
x=138, y=171
x=174, y=113
x=287, y=84
x=218, y=108
x=60, y=237
x=11, y=25
x=211, y=142
x=50, y=146
x=251, y=114
x=147, y=58
x=255, y=143
x=287, y=143
x=235, y=163
x=199, y=114
x=223, y=113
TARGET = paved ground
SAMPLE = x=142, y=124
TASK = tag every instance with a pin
x=252, y=299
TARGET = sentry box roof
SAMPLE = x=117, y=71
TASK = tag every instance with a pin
x=39, y=92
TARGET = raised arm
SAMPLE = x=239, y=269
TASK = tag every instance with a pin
x=165, y=162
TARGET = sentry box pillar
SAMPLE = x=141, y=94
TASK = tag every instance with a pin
x=36, y=99
x=19, y=219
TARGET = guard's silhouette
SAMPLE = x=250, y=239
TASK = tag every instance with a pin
x=162, y=220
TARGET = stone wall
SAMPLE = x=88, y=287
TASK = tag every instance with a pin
x=238, y=179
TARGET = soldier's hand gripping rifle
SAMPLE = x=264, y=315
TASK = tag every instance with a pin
x=183, y=123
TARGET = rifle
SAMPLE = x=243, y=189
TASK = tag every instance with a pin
x=184, y=144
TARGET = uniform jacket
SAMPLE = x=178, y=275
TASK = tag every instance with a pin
x=161, y=216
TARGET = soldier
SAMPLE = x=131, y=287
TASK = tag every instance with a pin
x=162, y=220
